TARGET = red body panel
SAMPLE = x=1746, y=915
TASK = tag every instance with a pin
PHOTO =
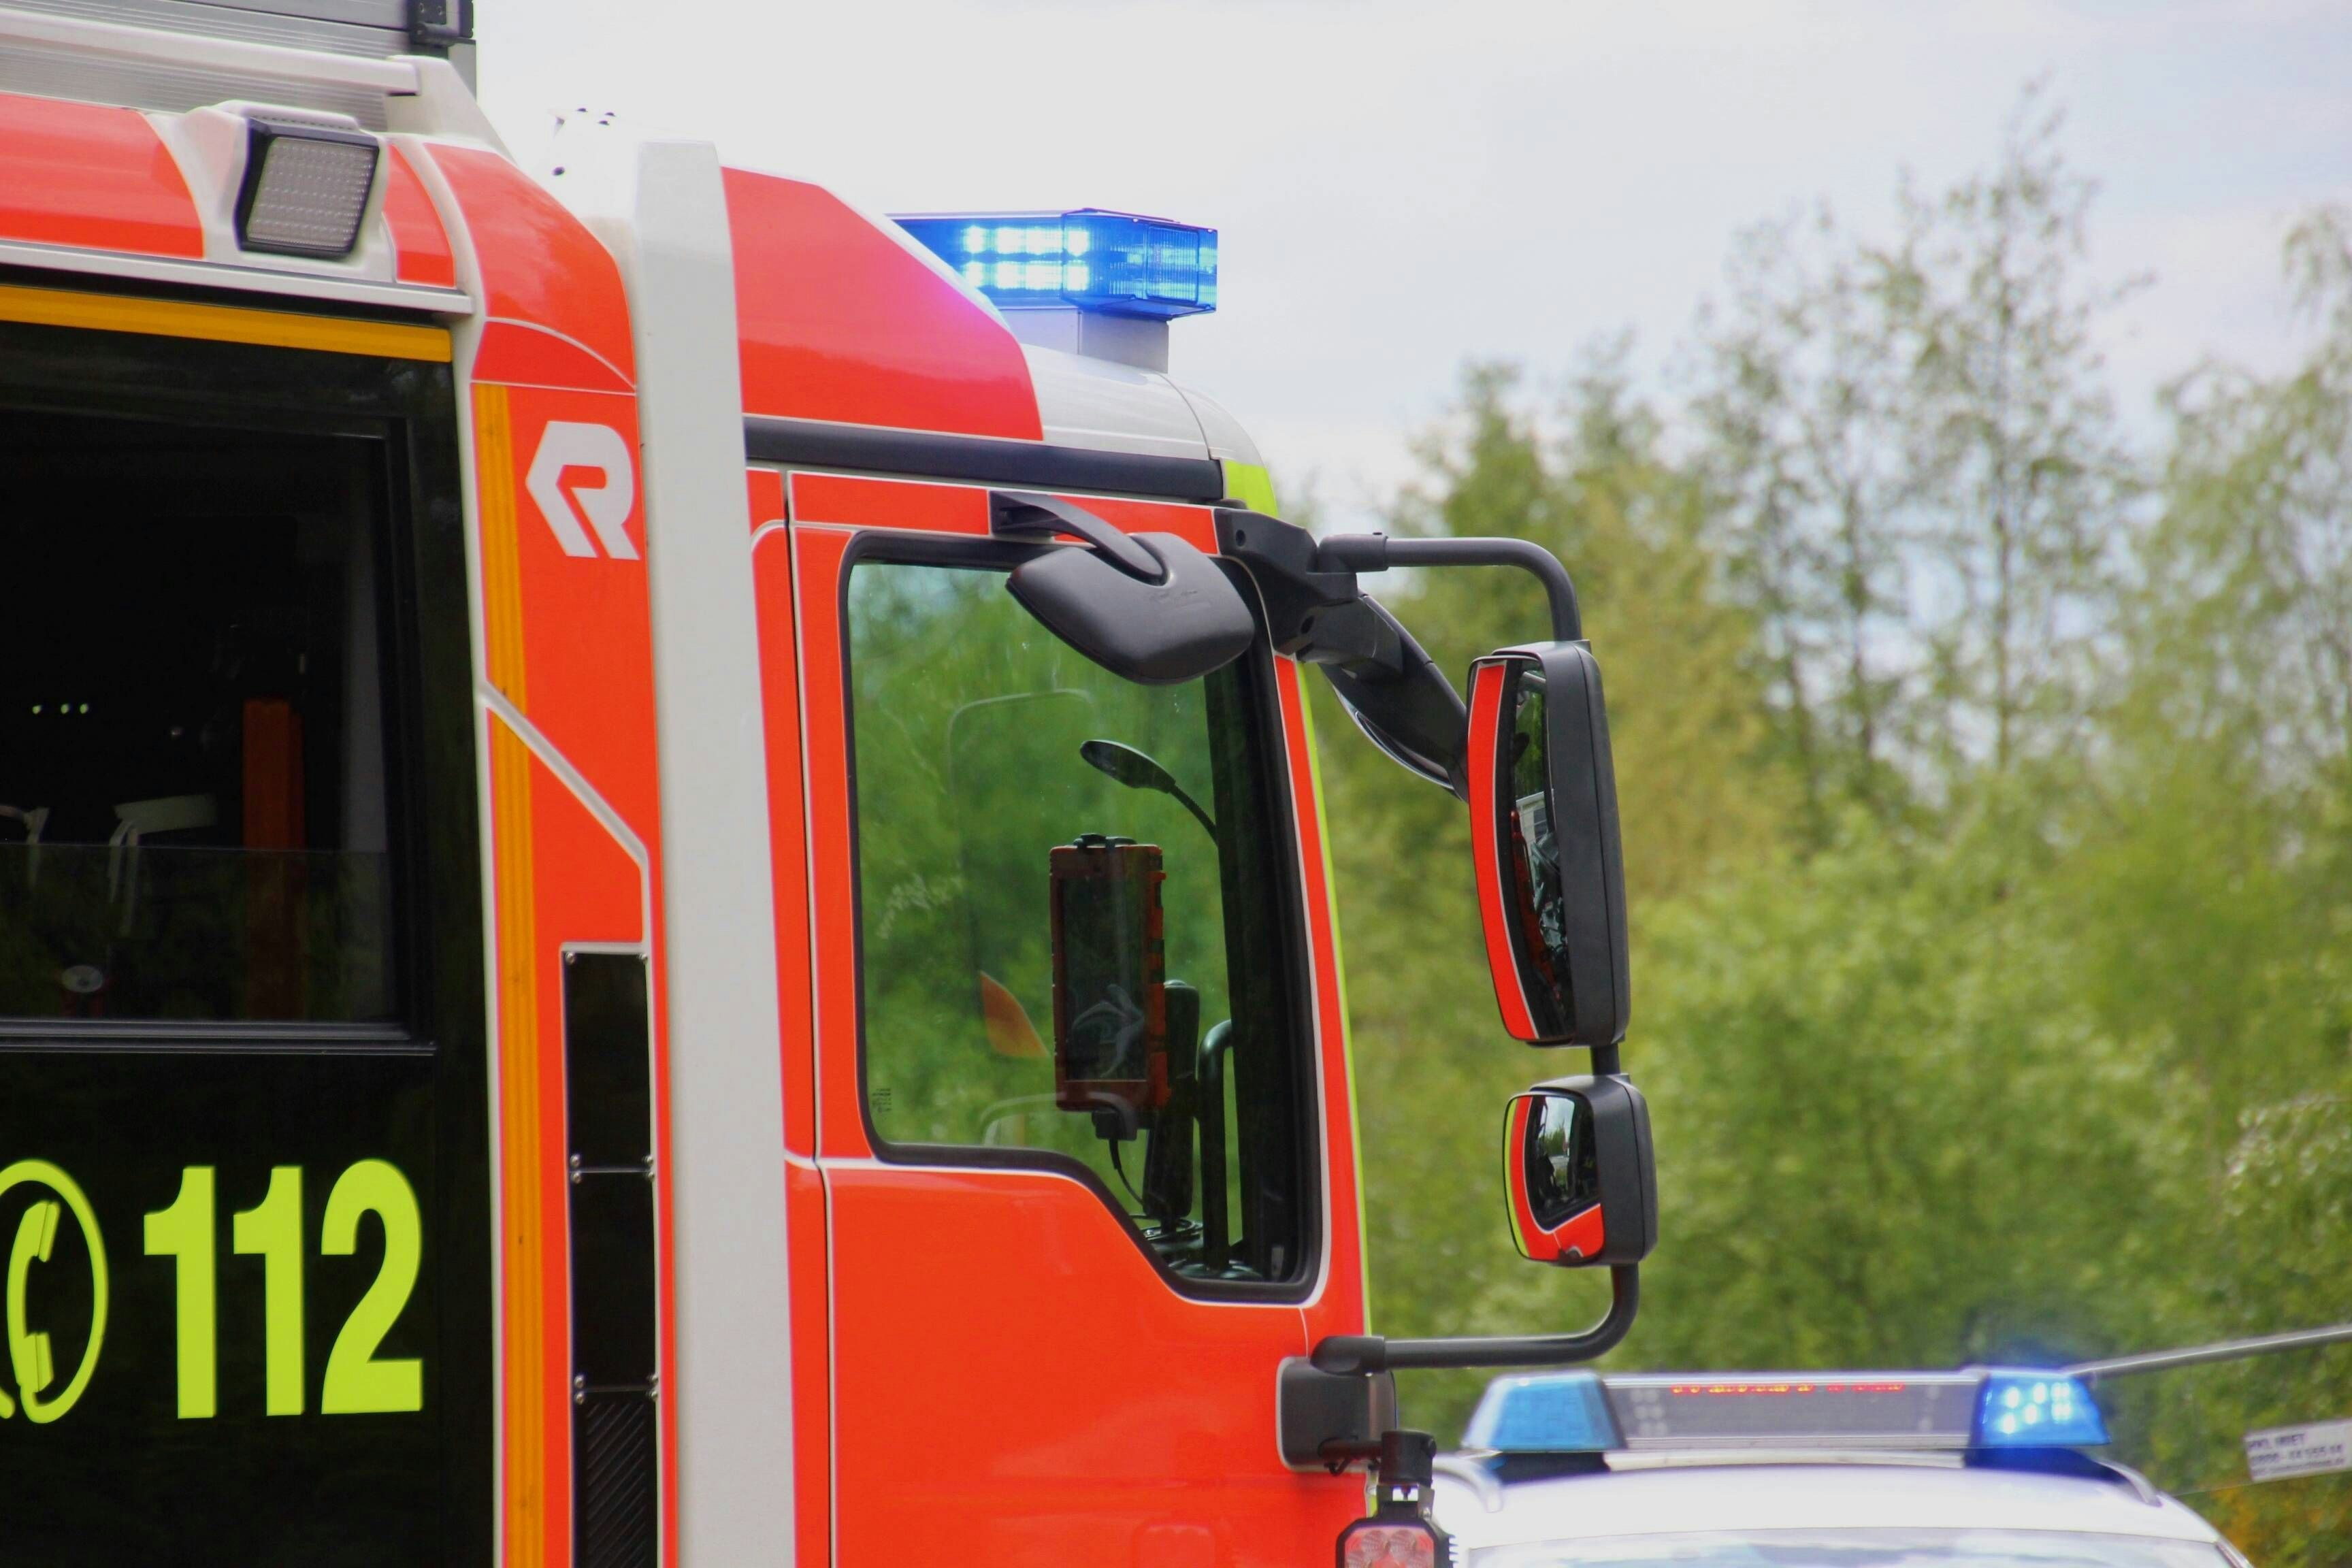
x=562, y=881
x=972, y=1417
x=522, y=355
x=890, y=503
x=805, y=1220
x=540, y=265
x=839, y=321
x=568, y=647
x=82, y=174
x=422, y=245
x=1041, y=1396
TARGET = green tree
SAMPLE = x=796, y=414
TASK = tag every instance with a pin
x=1989, y=833
x=1590, y=479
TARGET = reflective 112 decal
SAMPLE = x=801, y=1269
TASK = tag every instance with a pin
x=358, y=1382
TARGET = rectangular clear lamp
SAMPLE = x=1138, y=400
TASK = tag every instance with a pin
x=306, y=189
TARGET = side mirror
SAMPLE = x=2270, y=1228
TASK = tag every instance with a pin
x=1543, y=827
x=1578, y=1168
x=1147, y=606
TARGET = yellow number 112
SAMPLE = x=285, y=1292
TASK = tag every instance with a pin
x=357, y=1381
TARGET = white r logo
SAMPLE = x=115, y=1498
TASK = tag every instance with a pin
x=563, y=449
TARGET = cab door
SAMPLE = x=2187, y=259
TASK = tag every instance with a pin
x=1055, y=1313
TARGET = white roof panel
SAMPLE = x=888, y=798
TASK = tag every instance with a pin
x=1657, y=1499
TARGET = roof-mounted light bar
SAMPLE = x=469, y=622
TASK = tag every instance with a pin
x=1580, y=1412
x=1111, y=263
x=306, y=187
x=2038, y=1410
x=1544, y=1412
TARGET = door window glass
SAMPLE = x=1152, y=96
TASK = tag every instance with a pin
x=192, y=791
x=1071, y=903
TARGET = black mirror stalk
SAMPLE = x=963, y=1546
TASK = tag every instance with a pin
x=1031, y=514
x=1318, y=612
x=1373, y=1353
x=1378, y=552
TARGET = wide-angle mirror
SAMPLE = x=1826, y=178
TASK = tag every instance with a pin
x=1578, y=1170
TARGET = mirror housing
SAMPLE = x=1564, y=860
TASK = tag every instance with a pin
x=1543, y=830
x=1147, y=606
x=1576, y=1167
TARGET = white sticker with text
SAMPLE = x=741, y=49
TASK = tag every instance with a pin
x=2280, y=1451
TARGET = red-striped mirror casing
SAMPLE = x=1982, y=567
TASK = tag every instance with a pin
x=1578, y=1173
x=1544, y=835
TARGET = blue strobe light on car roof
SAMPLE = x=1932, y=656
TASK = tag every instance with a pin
x=1119, y=264
x=2037, y=1410
x=1552, y=1413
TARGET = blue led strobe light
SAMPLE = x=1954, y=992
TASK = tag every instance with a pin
x=1555, y=1413
x=1116, y=263
x=2037, y=1410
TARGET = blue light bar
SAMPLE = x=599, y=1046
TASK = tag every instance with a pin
x=1555, y=1413
x=2037, y=1410
x=1117, y=264
x=1581, y=1412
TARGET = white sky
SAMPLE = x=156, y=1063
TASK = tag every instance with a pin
x=1402, y=187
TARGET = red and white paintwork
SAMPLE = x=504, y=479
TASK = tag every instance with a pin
x=664, y=769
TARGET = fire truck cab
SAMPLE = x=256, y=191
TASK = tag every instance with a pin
x=652, y=906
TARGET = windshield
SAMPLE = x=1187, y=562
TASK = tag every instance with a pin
x=1071, y=890
x=1859, y=1549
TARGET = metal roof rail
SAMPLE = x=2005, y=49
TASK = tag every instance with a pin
x=2219, y=1350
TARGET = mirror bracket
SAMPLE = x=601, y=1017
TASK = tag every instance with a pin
x=1307, y=575
x=1372, y=1352
x=1033, y=514
x=1326, y=1420
x=1378, y=552
x=1318, y=612
x=1302, y=594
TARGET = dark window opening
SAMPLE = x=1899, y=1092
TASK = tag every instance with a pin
x=194, y=799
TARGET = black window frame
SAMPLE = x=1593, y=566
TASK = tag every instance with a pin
x=411, y=409
x=915, y=547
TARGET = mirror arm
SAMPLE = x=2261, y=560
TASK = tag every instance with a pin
x=1031, y=514
x=1370, y=1353
x=1378, y=552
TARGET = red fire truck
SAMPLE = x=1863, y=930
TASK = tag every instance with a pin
x=661, y=890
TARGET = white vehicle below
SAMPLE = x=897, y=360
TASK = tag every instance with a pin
x=1815, y=1470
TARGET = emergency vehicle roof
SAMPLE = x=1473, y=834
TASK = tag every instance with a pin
x=843, y=321
x=1664, y=1494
